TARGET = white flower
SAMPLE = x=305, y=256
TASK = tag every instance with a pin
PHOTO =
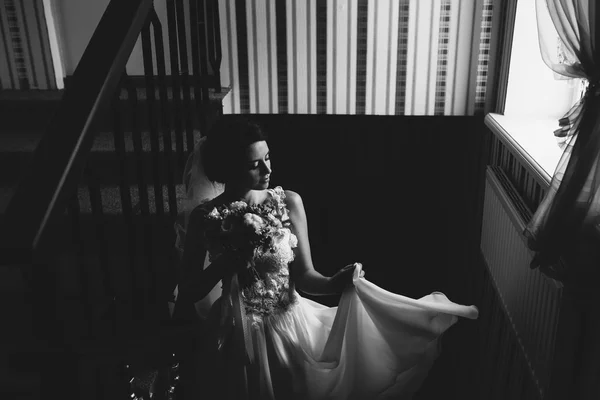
x=279, y=191
x=274, y=220
x=254, y=221
x=276, y=197
x=238, y=205
x=260, y=288
x=214, y=214
x=293, y=241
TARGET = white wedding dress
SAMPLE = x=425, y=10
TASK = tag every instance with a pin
x=373, y=345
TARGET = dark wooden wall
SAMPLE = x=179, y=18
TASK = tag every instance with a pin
x=398, y=194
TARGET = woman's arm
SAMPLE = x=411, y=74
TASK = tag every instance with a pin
x=307, y=279
x=196, y=282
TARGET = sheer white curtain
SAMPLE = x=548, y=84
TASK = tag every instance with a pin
x=570, y=212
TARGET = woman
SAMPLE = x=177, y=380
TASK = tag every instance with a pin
x=273, y=343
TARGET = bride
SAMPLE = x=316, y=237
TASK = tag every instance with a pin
x=269, y=342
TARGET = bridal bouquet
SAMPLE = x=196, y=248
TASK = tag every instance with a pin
x=252, y=234
x=242, y=230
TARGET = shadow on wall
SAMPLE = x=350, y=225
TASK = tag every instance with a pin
x=393, y=193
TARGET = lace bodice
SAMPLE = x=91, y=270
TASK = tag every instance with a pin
x=266, y=288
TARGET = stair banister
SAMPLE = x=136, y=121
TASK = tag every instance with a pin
x=26, y=229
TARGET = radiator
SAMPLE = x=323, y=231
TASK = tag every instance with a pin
x=530, y=300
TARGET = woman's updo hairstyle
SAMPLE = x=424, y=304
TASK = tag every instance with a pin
x=225, y=148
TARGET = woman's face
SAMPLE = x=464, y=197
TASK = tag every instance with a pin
x=256, y=171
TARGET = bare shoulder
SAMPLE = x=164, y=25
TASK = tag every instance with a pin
x=293, y=201
x=292, y=197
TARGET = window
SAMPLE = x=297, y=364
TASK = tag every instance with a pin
x=536, y=97
x=533, y=88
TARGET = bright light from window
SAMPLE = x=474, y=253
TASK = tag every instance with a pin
x=533, y=88
x=536, y=96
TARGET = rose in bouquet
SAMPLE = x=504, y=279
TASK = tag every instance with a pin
x=242, y=231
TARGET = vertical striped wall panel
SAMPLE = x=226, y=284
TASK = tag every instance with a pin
x=484, y=54
x=25, y=56
x=341, y=30
x=384, y=57
x=229, y=65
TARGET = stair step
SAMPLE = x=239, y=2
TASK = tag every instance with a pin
x=11, y=142
x=104, y=141
x=141, y=92
x=16, y=150
x=29, y=96
x=34, y=117
x=26, y=142
x=111, y=199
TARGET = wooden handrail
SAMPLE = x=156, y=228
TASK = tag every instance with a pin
x=57, y=163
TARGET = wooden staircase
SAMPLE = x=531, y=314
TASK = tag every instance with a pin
x=80, y=274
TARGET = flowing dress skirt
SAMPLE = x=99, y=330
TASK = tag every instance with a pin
x=374, y=345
